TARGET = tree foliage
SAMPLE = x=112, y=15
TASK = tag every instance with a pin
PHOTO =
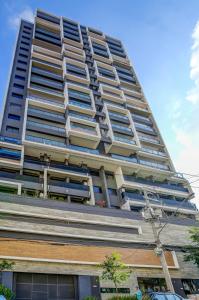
x=115, y=270
x=6, y=265
x=6, y=292
x=192, y=251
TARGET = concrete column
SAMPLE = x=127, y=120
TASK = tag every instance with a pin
x=84, y=286
x=7, y=279
x=104, y=186
x=45, y=183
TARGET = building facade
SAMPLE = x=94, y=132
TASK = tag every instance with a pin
x=79, y=145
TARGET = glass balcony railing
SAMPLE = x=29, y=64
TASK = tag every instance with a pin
x=84, y=149
x=10, y=154
x=129, y=130
x=78, y=186
x=135, y=196
x=143, y=126
x=139, y=117
x=45, y=141
x=86, y=130
x=40, y=125
x=81, y=116
x=125, y=158
x=43, y=71
x=53, y=83
x=155, y=152
x=77, y=94
x=118, y=116
x=48, y=90
x=155, y=183
x=46, y=113
x=179, y=204
x=154, y=164
x=147, y=139
x=9, y=140
x=76, y=103
x=123, y=140
x=46, y=100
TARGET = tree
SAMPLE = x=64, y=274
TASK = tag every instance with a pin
x=6, y=265
x=192, y=251
x=114, y=270
x=6, y=292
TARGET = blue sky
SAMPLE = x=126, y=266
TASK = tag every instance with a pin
x=162, y=40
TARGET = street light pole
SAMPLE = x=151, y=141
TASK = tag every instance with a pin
x=152, y=218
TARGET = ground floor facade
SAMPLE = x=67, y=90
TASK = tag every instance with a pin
x=57, y=247
x=55, y=271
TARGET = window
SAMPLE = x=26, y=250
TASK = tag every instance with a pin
x=25, y=31
x=97, y=189
x=23, y=55
x=112, y=192
x=27, y=27
x=19, y=86
x=20, y=69
x=12, y=129
x=22, y=62
x=14, y=117
x=19, y=77
x=15, y=95
x=156, y=284
x=25, y=43
x=24, y=49
x=25, y=37
x=16, y=105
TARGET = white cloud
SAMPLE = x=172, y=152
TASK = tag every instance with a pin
x=188, y=158
x=26, y=14
x=185, y=125
x=193, y=94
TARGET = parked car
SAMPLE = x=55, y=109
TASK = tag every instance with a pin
x=165, y=296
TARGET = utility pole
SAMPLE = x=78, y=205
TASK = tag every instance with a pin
x=150, y=216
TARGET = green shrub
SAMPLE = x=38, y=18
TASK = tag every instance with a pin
x=127, y=297
x=6, y=292
x=90, y=298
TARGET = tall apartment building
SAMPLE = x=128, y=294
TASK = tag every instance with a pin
x=79, y=144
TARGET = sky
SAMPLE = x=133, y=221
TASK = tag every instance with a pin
x=161, y=38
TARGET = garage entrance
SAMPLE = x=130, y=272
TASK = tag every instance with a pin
x=33, y=286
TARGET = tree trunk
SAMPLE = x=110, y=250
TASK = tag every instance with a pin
x=116, y=288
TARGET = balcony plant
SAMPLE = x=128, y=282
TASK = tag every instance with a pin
x=6, y=292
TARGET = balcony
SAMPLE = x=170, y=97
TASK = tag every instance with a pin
x=149, y=140
x=122, y=129
x=46, y=115
x=143, y=119
x=44, y=101
x=118, y=117
x=153, y=152
x=10, y=154
x=83, y=132
x=145, y=128
x=172, y=188
x=80, y=99
x=106, y=74
x=154, y=164
x=10, y=140
x=76, y=71
x=71, y=189
x=45, y=141
x=44, y=128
